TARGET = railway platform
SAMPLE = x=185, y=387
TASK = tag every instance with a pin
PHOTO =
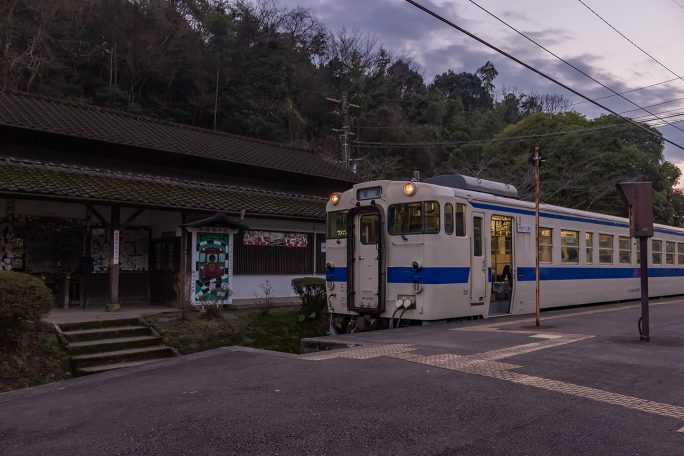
x=582, y=383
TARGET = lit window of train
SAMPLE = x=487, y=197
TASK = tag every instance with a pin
x=606, y=248
x=625, y=250
x=337, y=225
x=589, y=239
x=570, y=246
x=414, y=218
x=669, y=252
x=657, y=249
x=449, y=218
x=546, y=245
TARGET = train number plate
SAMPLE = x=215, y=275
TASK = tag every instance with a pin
x=369, y=299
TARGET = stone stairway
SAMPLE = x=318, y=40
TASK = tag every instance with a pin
x=99, y=346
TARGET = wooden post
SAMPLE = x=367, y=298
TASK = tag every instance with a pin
x=114, y=260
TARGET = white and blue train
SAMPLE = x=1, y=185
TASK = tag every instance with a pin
x=457, y=247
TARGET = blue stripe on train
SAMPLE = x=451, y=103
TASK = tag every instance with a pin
x=445, y=275
x=428, y=275
x=581, y=273
x=336, y=274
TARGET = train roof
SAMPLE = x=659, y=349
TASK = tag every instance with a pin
x=515, y=203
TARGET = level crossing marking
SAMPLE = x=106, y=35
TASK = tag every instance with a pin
x=488, y=364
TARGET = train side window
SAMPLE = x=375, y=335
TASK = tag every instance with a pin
x=680, y=253
x=546, y=244
x=625, y=249
x=657, y=249
x=606, y=248
x=449, y=218
x=589, y=241
x=669, y=252
x=569, y=246
x=460, y=220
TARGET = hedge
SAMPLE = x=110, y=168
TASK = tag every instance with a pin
x=24, y=300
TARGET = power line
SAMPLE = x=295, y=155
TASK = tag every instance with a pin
x=678, y=4
x=540, y=73
x=386, y=145
x=632, y=42
x=626, y=91
x=646, y=118
x=653, y=105
x=563, y=60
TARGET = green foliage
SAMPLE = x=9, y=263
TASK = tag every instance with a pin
x=39, y=360
x=584, y=159
x=311, y=290
x=280, y=330
x=24, y=300
x=261, y=70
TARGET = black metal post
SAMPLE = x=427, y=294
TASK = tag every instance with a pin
x=644, y=332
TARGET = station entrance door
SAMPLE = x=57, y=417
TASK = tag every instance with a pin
x=502, y=265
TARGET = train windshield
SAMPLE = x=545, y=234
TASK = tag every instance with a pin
x=414, y=218
x=337, y=225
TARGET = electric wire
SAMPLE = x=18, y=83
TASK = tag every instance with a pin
x=562, y=59
x=653, y=105
x=632, y=42
x=535, y=70
x=626, y=91
x=388, y=145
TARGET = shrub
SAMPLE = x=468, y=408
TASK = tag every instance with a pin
x=311, y=290
x=24, y=300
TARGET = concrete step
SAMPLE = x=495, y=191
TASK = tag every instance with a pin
x=80, y=335
x=108, y=367
x=114, y=344
x=121, y=356
x=98, y=324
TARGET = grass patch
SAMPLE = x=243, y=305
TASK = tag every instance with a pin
x=37, y=360
x=277, y=329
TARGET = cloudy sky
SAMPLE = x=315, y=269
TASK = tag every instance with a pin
x=565, y=27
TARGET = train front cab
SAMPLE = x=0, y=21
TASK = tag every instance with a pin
x=416, y=257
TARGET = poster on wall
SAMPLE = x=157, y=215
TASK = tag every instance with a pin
x=213, y=268
x=272, y=238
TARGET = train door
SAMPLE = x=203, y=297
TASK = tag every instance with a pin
x=365, y=276
x=478, y=260
x=501, y=228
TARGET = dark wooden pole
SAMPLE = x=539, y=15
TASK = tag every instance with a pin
x=644, y=330
x=114, y=260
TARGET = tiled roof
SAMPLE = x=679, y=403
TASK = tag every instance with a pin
x=35, y=178
x=37, y=113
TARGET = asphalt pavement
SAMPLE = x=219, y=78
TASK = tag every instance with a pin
x=581, y=384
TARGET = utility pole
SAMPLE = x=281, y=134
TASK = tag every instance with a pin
x=344, y=102
x=537, y=198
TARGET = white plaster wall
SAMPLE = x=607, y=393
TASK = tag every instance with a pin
x=248, y=286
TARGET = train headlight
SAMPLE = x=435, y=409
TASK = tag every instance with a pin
x=335, y=198
x=409, y=189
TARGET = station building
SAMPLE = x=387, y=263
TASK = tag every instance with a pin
x=107, y=207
